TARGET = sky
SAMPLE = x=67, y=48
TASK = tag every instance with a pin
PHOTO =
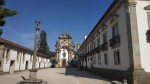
x=76, y=17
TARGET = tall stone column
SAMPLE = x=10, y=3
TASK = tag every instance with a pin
x=33, y=72
x=136, y=74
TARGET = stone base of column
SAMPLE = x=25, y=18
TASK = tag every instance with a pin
x=33, y=74
x=137, y=76
x=38, y=81
x=33, y=78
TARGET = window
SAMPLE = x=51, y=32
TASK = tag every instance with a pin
x=23, y=57
x=30, y=58
x=148, y=16
x=115, y=31
x=7, y=53
x=90, y=47
x=99, y=59
x=18, y=56
x=98, y=41
x=104, y=37
x=94, y=57
x=106, y=58
x=0, y=63
x=94, y=45
x=117, y=57
x=64, y=54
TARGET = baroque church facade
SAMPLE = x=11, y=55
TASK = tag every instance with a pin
x=64, y=50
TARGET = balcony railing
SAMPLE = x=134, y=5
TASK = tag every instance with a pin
x=104, y=46
x=98, y=49
x=114, y=42
x=148, y=36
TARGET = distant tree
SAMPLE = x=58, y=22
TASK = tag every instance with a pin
x=52, y=54
x=5, y=12
x=42, y=44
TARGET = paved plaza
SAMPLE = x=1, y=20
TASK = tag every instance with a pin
x=57, y=76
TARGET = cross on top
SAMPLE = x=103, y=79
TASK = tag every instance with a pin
x=37, y=23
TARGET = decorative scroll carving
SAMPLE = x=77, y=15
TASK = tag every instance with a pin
x=114, y=18
x=147, y=7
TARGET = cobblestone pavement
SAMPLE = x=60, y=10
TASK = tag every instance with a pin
x=57, y=76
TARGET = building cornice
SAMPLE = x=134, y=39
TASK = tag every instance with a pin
x=109, y=13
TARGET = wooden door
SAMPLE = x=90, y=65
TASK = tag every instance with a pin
x=63, y=63
x=26, y=68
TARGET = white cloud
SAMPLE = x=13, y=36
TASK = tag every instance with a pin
x=27, y=35
x=25, y=39
x=55, y=34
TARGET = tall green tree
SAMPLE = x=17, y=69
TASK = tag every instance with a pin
x=42, y=43
x=5, y=12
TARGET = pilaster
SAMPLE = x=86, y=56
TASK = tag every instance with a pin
x=135, y=74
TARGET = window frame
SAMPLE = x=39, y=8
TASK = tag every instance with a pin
x=106, y=58
x=0, y=63
x=118, y=61
x=7, y=53
x=104, y=37
x=115, y=26
x=99, y=59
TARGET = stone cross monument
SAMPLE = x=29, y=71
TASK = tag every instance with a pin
x=33, y=72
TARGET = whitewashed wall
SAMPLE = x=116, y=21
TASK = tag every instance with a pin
x=142, y=23
x=61, y=54
x=20, y=64
x=124, y=54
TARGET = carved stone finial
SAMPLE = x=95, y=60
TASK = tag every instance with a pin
x=37, y=23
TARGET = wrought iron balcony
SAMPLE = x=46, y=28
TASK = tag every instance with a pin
x=98, y=49
x=104, y=46
x=148, y=36
x=114, y=42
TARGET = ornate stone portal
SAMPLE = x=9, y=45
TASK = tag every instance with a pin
x=64, y=50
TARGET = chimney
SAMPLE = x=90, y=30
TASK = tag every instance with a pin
x=85, y=37
x=78, y=46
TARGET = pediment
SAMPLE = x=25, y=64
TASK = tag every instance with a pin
x=114, y=18
x=104, y=27
x=147, y=7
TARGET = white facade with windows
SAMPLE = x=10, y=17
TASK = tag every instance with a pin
x=14, y=57
x=112, y=45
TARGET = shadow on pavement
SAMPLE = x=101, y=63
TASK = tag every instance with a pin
x=77, y=73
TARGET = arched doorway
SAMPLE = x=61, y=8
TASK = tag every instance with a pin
x=12, y=66
x=63, y=63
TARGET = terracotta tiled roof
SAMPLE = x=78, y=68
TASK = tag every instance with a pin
x=17, y=46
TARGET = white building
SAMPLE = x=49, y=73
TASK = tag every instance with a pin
x=117, y=47
x=64, y=50
x=14, y=57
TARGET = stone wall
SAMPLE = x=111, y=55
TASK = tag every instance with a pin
x=132, y=77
